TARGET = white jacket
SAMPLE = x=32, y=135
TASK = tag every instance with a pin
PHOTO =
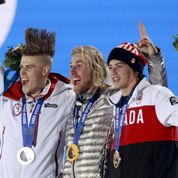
x=52, y=122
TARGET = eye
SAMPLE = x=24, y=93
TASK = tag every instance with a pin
x=119, y=66
x=79, y=65
x=72, y=67
x=110, y=67
x=29, y=67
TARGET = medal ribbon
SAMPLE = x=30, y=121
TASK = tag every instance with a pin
x=28, y=130
x=78, y=127
x=119, y=123
x=120, y=112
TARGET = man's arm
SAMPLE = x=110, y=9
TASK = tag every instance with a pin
x=157, y=69
x=156, y=64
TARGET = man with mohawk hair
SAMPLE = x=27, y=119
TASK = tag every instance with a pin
x=33, y=113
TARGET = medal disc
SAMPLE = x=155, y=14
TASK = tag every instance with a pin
x=25, y=156
x=116, y=159
x=72, y=152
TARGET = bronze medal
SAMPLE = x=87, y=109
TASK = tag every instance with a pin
x=72, y=152
x=116, y=159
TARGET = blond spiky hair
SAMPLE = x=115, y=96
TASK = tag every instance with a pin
x=39, y=42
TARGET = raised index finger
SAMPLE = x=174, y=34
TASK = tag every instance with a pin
x=142, y=30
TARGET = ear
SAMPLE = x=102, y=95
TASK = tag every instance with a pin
x=46, y=70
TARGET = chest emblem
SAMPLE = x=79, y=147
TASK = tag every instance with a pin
x=17, y=109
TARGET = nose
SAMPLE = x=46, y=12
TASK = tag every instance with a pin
x=72, y=70
x=22, y=71
x=113, y=71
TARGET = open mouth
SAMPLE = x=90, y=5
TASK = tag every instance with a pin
x=76, y=81
x=115, y=79
x=24, y=81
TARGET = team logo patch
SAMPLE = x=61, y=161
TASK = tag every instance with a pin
x=49, y=105
x=133, y=60
x=139, y=100
x=17, y=109
x=173, y=100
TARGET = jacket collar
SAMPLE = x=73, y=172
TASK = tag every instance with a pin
x=15, y=91
x=136, y=94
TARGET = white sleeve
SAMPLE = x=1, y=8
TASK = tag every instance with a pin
x=1, y=79
x=2, y=128
x=166, y=107
x=61, y=152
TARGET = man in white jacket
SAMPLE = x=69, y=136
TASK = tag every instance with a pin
x=33, y=113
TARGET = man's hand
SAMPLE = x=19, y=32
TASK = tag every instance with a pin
x=145, y=44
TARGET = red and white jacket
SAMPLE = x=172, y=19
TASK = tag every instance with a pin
x=150, y=134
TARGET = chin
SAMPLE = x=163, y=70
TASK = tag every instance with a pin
x=116, y=86
x=77, y=91
x=25, y=90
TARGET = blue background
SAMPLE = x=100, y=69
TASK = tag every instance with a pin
x=103, y=24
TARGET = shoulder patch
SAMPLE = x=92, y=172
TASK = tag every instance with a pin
x=173, y=100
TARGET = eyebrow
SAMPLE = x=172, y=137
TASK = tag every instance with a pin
x=119, y=62
x=78, y=61
x=28, y=65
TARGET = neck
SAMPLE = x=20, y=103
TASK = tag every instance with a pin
x=89, y=93
x=35, y=95
x=39, y=91
x=126, y=91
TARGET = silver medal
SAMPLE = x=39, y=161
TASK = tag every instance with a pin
x=25, y=156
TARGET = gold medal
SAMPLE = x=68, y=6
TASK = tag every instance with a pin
x=116, y=159
x=72, y=152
